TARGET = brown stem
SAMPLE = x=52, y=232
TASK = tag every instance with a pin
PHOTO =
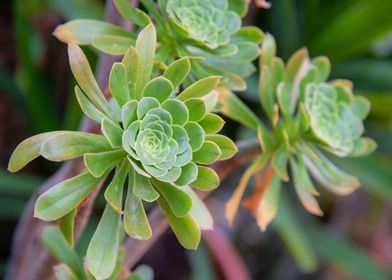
x=29, y=260
x=134, y=249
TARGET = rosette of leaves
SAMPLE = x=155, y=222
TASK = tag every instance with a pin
x=308, y=117
x=210, y=30
x=158, y=141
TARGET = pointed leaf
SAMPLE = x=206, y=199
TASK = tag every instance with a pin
x=82, y=31
x=235, y=109
x=87, y=107
x=179, y=202
x=72, y=144
x=323, y=66
x=188, y=174
x=100, y=163
x=112, y=132
x=112, y=44
x=135, y=219
x=66, y=225
x=279, y=163
x=363, y=147
x=145, y=44
x=134, y=15
x=199, y=89
x=196, y=108
x=60, y=249
x=177, y=71
x=225, y=144
x=208, y=153
x=85, y=78
x=185, y=228
x=143, y=188
x=211, y=123
x=159, y=88
x=65, y=196
x=199, y=210
x=103, y=248
x=28, y=150
x=118, y=83
x=207, y=179
x=114, y=191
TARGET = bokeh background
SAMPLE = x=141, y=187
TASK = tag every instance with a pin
x=354, y=238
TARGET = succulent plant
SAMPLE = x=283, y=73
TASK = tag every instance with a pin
x=307, y=115
x=210, y=30
x=159, y=141
x=210, y=23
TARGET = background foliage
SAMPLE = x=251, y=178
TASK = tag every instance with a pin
x=352, y=240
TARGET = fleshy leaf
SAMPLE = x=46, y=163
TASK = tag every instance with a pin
x=61, y=250
x=87, y=107
x=235, y=109
x=304, y=188
x=111, y=44
x=196, y=108
x=129, y=113
x=185, y=228
x=135, y=219
x=118, y=83
x=114, y=191
x=279, y=163
x=63, y=272
x=145, y=44
x=100, y=163
x=199, y=210
x=134, y=15
x=65, y=196
x=211, y=123
x=178, y=111
x=225, y=144
x=82, y=31
x=159, y=88
x=179, y=202
x=363, y=147
x=208, y=153
x=200, y=88
x=103, y=248
x=207, y=179
x=196, y=135
x=28, y=150
x=112, y=132
x=177, y=71
x=85, y=78
x=188, y=174
x=143, y=188
x=66, y=225
x=72, y=144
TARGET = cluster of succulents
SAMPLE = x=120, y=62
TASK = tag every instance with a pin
x=159, y=138
x=210, y=30
x=308, y=115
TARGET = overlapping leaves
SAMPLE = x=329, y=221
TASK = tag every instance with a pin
x=156, y=141
x=207, y=29
x=307, y=115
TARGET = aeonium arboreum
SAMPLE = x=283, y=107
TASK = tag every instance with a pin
x=208, y=29
x=157, y=140
x=307, y=116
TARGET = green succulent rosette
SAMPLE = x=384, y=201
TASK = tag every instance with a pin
x=207, y=22
x=210, y=30
x=308, y=118
x=157, y=139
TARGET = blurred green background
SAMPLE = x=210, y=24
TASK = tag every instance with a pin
x=352, y=241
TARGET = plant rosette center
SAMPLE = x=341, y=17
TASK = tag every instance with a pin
x=158, y=143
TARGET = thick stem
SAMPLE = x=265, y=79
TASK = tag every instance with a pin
x=135, y=249
x=29, y=260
